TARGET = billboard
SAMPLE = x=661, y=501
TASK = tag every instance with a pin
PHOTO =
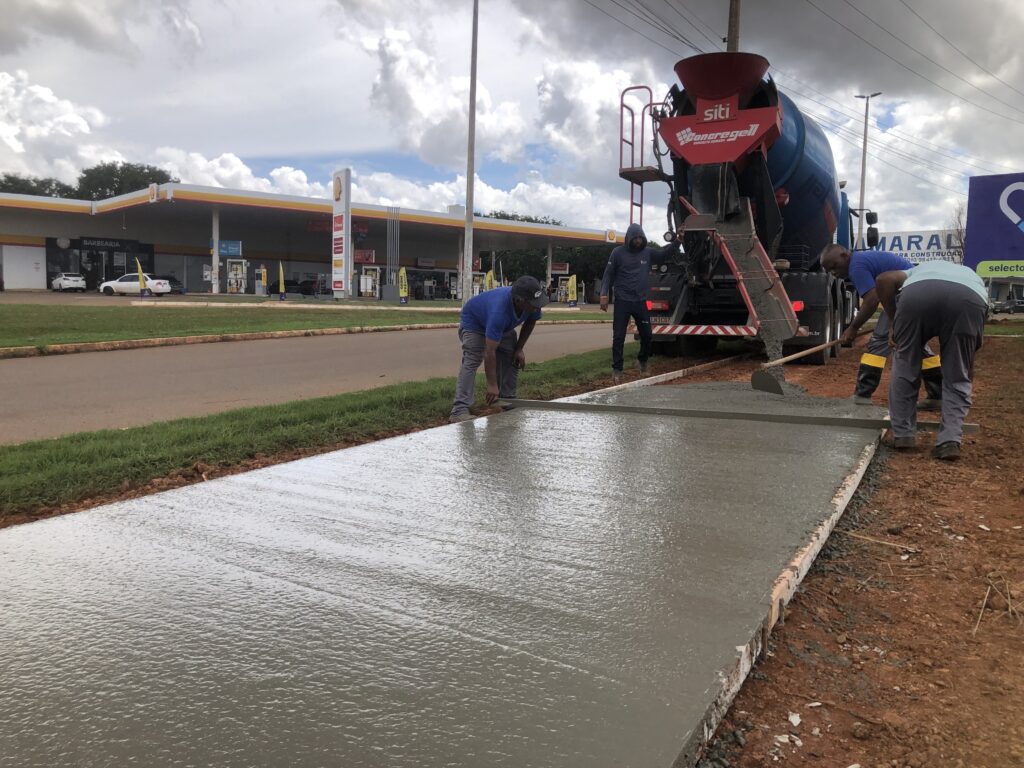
x=994, y=245
x=923, y=245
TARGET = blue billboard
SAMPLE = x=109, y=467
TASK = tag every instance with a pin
x=994, y=243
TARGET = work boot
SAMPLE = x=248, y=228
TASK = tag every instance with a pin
x=900, y=443
x=643, y=366
x=455, y=418
x=948, y=451
x=616, y=376
x=868, y=378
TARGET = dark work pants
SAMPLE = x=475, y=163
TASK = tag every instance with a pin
x=473, y=345
x=622, y=311
x=954, y=313
x=876, y=352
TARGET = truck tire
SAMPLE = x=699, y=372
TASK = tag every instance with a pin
x=697, y=346
x=828, y=330
x=838, y=324
x=665, y=348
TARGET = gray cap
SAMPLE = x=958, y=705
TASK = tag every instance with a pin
x=529, y=289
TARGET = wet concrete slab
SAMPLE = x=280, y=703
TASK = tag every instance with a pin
x=531, y=589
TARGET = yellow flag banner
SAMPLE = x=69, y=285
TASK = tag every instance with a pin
x=572, y=291
x=489, y=280
x=282, y=290
x=143, y=288
x=403, y=287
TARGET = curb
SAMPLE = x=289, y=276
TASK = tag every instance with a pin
x=7, y=353
x=331, y=307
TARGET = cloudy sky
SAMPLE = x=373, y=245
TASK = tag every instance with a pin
x=272, y=95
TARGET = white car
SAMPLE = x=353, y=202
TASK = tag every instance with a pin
x=68, y=281
x=129, y=283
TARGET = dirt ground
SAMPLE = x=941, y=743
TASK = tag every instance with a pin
x=886, y=656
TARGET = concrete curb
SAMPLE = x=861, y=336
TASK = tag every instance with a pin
x=270, y=304
x=7, y=353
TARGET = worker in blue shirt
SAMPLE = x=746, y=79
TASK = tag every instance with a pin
x=627, y=272
x=862, y=268
x=941, y=299
x=487, y=332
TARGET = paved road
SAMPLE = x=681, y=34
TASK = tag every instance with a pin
x=50, y=396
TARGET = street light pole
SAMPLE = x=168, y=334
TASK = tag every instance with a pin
x=863, y=166
x=733, y=40
x=467, y=251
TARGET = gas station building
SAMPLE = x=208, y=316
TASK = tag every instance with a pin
x=170, y=228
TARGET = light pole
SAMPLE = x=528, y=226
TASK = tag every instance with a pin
x=863, y=165
x=467, y=251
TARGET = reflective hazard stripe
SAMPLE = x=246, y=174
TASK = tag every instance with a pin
x=738, y=331
x=930, y=362
x=875, y=361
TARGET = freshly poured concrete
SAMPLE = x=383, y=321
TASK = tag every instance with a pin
x=532, y=589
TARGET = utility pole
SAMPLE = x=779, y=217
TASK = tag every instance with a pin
x=863, y=166
x=467, y=251
x=733, y=41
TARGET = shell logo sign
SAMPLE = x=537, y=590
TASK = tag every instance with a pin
x=609, y=236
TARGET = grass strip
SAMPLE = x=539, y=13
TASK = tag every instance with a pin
x=54, y=472
x=43, y=324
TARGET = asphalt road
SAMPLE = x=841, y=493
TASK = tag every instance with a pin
x=43, y=397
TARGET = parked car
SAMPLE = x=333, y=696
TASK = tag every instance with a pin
x=175, y=283
x=1010, y=306
x=68, y=281
x=290, y=286
x=129, y=283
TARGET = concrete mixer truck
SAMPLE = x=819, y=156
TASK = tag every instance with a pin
x=753, y=188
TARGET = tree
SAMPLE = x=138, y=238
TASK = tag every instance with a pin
x=27, y=185
x=958, y=223
x=112, y=179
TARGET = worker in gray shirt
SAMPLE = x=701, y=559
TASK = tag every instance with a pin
x=627, y=272
x=943, y=299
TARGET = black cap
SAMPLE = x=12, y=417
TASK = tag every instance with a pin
x=530, y=290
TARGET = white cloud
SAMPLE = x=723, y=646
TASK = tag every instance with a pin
x=43, y=135
x=431, y=111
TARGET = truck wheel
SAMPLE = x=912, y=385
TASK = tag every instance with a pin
x=837, y=325
x=697, y=346
x=828, y=334
x=665, y=348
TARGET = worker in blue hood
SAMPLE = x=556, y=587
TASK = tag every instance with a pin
x=627, y=272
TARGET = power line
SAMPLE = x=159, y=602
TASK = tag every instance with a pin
x=923, y=143
x=910, y=69
x=715, y=43
x=928, y=58
x=672, y=30
x=620, y=21
x=952, y=45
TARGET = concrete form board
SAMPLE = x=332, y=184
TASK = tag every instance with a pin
x=529, y=589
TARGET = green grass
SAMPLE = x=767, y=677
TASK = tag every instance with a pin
x=47, y=473
x=1005, y=328
x=42, y=324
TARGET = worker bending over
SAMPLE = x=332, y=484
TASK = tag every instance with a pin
x=862, y=268
x=628, y=268
x=937, y=298
x=487, y=332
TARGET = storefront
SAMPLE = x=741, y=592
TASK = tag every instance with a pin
x=96, y=259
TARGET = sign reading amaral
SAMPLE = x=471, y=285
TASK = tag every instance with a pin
x=994, y=244
x=923, y=245
x=341, y=234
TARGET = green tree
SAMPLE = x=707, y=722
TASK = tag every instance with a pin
x=28, y=185
x=112, y=179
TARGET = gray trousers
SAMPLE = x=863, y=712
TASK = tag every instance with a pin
x=472, y=356
x=878, y=341
x=954, y=313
